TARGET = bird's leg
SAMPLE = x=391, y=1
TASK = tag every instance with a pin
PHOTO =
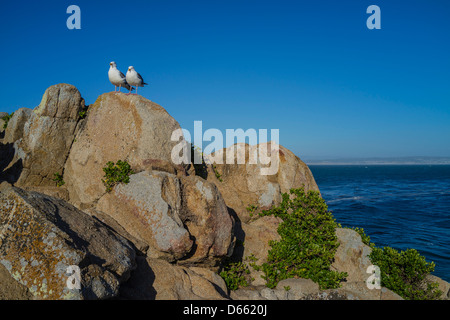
x=120, y=87
x=136, y=89
x=115, y=88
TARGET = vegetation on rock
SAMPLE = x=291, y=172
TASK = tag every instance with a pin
x=364, y=237
x=218, y=175
x=404, y=272
x=83, y=113
x=235, y=275
x=58, y=179
x=251, y=209
x=116, y=173
x=308, y=241
x=6, y=120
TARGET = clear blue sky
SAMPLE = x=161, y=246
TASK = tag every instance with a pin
x=309, y=68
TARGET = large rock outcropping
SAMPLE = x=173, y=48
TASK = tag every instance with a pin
x=244, y=184
x=163, y=235
x=118, y=127
x=180, y=218
x=43, y=137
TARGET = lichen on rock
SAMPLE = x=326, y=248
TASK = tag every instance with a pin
x=40, y=237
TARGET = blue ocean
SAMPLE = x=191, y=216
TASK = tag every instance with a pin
x=401, y=206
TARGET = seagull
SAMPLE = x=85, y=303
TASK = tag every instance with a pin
x=117, y=78
x=134, y=78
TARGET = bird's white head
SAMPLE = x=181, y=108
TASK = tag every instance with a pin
x=130, y=68
x=113, y=64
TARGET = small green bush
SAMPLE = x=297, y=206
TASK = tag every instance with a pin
x=405, y=272
x=58, y=179
x=217, y=174
x=251, y=209
x=116, y=173
x=82, y=114
x=6, y=120
x=235, y=275
x=308, y=241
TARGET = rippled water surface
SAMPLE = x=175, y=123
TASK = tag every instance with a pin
x=398, y=206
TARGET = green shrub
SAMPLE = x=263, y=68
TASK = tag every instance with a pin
x=218, y=175
x=82, y=114
x=308, y=241
x=235, y=275
x=116, y=173
x=58, y=179
x=308, y=245
x=251, y=209
x=405, y=272
x=6, y=120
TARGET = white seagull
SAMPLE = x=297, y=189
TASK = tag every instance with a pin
x=134, y=78
x=117, y=78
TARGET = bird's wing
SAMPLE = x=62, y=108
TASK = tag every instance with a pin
x=140, y=78
x=127, y=86
x=121, y=74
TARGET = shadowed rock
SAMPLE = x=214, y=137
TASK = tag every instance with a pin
x=181, y=218
x=155, y=279
x=43, y=137
x=41, y=236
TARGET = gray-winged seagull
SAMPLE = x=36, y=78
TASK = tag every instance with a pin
x=134, y=78
x=117, y=78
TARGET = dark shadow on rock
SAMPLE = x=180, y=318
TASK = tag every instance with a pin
x=67, y=226
x=69, y=220
x=238, y=252
x=6, y=155
x=201, y=169
x=140, y=284
x=139, y=246
x=14, y=171
x=64, y=216
x=193, y=250
x=220, y=291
